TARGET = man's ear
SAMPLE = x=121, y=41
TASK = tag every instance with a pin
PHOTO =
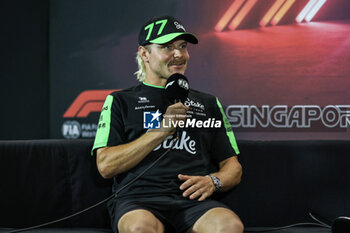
x=144, y=53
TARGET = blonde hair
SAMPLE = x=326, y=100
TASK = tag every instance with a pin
x=141, y=72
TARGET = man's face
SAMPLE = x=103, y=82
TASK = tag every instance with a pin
x=167, y=59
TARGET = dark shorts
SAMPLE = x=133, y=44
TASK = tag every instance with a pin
x=176, y=213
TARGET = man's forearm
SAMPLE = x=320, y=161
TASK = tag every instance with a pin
x=201, y=187
x=230, y=173
x=114, y=160
x=117, y=159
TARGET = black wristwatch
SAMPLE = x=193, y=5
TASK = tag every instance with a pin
x=216, y=181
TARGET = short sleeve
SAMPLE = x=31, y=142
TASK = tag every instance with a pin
x=224, y=141
x=110, y=129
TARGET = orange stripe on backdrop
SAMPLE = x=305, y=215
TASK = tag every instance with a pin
x=231, y=11
x=84, y=100
x=242, y=14
x=305, y=10
x=271, y=12
x=282, y=12
x=89, y=108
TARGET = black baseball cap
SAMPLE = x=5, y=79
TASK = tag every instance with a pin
x=163, y=29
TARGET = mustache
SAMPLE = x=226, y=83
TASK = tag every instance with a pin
x=177, y=62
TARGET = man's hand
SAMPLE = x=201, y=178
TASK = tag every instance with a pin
x=194, y=187
x=174, y=114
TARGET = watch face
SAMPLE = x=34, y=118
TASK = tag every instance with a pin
x=217, y=182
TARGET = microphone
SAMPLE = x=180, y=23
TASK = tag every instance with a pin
x=176, y=90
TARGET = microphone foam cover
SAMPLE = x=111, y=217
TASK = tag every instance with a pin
x=176, y=88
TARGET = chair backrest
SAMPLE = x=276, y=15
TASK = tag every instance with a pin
x=43, y=180
x=285, y=180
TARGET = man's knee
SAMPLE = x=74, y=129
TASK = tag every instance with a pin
x=231, y=224
x=218, y=220
x=141, y=227
x=139, y=221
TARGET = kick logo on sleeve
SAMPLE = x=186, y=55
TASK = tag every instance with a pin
x=151, y=120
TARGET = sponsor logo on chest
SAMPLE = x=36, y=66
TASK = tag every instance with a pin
x=184, y=143
x=194, y=104
x=142, y=100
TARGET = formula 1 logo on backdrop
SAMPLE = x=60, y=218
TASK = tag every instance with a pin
x=86, y=103
x=78, y=125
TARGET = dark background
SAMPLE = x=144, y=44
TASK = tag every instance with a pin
x=24, y=73
x=43, y=66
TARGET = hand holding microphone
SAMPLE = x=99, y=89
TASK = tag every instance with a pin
x=176, y=92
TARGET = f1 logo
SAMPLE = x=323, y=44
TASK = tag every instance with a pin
x=151, y=120
x=87, y=102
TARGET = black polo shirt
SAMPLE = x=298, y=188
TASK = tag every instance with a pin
x=204, y=142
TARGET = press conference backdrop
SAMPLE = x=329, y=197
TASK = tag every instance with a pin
x=276, y=79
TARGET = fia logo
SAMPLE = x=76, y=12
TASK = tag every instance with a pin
x=151, y=120
x=183, y=83
x=71, y=129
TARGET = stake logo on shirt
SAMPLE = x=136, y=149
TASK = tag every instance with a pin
x=184, y=143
